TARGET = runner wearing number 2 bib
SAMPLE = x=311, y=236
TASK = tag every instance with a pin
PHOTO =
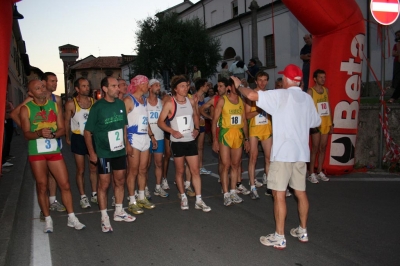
x=320, y=138
x=184, y=121
x=230, y=115
x=107, y=122
x=42, y=124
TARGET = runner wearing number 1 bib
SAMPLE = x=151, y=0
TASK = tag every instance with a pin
x=184, y=121
x=319, y=139
x=42, y=124
x=138, y=148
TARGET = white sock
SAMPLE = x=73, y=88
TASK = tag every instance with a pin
x=94, y=193
x=233, y=191
x=141, y=194
x=146, y=188
x=158, y=186
x=226, y=194
x=198, y=197
x=302, y=229
x=47, y=218
x=83, y=196
x=252, y=187
x=118, y=208
x=280, y=236
x=132, y=199
x=183, y=196
x=103, y=213
x=52, y=199
x=71, y=215
x=187, y=184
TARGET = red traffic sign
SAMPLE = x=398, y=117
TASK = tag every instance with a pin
x=385, y=12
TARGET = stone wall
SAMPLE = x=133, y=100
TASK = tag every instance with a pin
x=368, y=137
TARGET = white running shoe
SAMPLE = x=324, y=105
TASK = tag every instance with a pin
x=264, y=179
x=242, y=189
x=313, y=178
x=122, y=216
x=147, y=193
x=227, y=200
x=300, y=233
x=94, y=199
x=203, y=171
x=184, y=204
x=75, y=223
x=164, y=184
x=235, y=198
x=160, y=192
x=48, y=226
x=288, y=194
x=200, y=205
x=278, y=242
x=322, y=177
x=85, y=203
x=257, y=183
x=105, y=225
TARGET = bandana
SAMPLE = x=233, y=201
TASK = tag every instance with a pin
x=136, y=81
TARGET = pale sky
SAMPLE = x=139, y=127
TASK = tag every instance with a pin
x=97, y=27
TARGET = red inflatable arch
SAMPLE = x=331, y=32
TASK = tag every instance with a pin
x=338, y=31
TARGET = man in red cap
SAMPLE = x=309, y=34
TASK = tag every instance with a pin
x=293, y=113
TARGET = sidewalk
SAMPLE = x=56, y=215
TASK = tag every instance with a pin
x=10, y=188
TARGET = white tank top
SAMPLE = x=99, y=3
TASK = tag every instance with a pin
x=153, y=112
x=137, y=118
x=182, y=120
x=78, y=120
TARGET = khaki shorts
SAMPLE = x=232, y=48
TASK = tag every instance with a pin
x=282, y=174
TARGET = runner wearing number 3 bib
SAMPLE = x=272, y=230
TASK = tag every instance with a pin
x=42, y=124
x=320, y=138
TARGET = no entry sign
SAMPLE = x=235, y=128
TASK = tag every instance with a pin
x=385, y=11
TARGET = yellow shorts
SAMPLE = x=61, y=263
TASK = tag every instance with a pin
x=324, y=129
x=231, y=137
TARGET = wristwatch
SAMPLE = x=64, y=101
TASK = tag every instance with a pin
x=241, y=85
x=53, y=134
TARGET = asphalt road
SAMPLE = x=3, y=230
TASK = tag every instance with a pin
x=353, y=220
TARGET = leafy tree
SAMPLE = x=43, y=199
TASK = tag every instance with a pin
x=170, y=44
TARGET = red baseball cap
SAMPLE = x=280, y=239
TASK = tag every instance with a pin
x=292, y=72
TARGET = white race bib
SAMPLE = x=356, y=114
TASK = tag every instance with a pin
x=153, y=119
x=142, y=124
x=184, y=123
x=236, y=120
x=46, y=145
x=116, y=140
x=323, y=108
x=261, y=119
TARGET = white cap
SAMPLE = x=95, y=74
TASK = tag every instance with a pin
x=153, y=81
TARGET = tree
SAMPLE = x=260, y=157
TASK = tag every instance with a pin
x=171, y=44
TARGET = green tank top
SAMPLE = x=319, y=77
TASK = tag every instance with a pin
x=43, y=116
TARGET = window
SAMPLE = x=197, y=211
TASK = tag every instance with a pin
x=269, y=51
x=235, y=10
x=229, y=53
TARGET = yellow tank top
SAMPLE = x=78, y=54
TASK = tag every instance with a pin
x=321, y=102
x=261, y=124
x=231, y=115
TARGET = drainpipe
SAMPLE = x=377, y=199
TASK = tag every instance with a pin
x=204, y=14
x=368, y=48
x=241, y=33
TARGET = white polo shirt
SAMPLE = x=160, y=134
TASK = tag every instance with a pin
x=293, y=114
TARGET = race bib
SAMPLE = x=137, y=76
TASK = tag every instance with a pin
x=46, y=145
x=261, y=119
x=236, y=120
x=184, y=123
x=153, y=117
x=323, y=108
x=116, y=140
x=142, y=124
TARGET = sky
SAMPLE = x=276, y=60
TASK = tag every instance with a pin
x=97, y=27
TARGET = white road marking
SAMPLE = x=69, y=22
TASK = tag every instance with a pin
x=40, y=250
x=244, y=159
x=364, y=179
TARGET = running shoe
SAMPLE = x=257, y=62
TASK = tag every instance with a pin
x=7, y=164
x=160, y=192
x=85, y=203
x=74, y=222
x=257, y=183
x=313, y=178
x=242, y=189
x=278, y=242
x=105, y=225
x=122, y=216
x=48, y=226
x=145, y=203
x=322, y=176
x=41, y=217
x=190, y=192
x=184, y=204
x=268, y=192
x=264, y=179
x=236, y=199
x=300, y=233
x=288, y=194
x=203, y=171
x=56, y=206
x=135, y=209
x=164, y=184
x=94, y=199
x=200, y=205
x=227, y=200
x=254, y=194
x=113, y=202
x=147, y=193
